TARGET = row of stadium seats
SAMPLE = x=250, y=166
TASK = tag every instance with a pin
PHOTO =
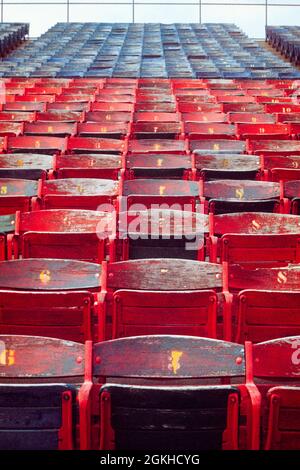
x=145, y=50
x=11, y=36
x=217, y=196
x=209, y=165
x=94, y=235
x=286, y=40
x=144, y=226
x=79, y=301
x=151, y=95
x=194, y=167
x=152, y=128
x=158, y=393
x=209, y=144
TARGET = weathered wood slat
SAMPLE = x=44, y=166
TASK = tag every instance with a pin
x=168, y=356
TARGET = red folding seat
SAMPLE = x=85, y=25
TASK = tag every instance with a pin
x=193, y=95
x=286, y=84
x=76, y=193
x=41, y=405
x=120, y=102
x=196, y=130
x=229, y=98
x=291, y=191
x=115, y=95
x=35, y=98
x=156, y=117
x=95, y=145
x=294, y=130
x=273, y=147
x=157, y=146
x=280, y=278
x=150, y=192
x=182, y=83
x=198, y=118
x=197, y=108
x=193, y=91
x=161, y=412
x=156, y=89
x=16, y=194
x=262, y=131
x=279, y=163
x=85, y=84
x=282, y=108
x=106, y=129
x=40, y=88
x=60, y=116
x=242, y=108
x=17, y=116
x=254, y=118
x=186, y=97
x=22, y=81
x=255, y=239
x=25, y=166
x=278, y=382
x=36, y=144
x=223, y=92
x=7, y=225
x=149, y=96
x=155, y=107
x=65, y=315
x=69, y=98
x=117, y=91
x=288, y=117
x=156, y=130
x=74, y=88
x=238, y=279
x=57, y=82
x=144, y=294
x=54, y=129
x=121, y=82
x=10, y=98
x=224, y=196
x=158, y=166
x=208, y=146
x=13, y=89
x=284, y=174
x=190, y=94
x=11, y=128
x=266, y=93
x=225, y=84
x=161, y=233
x=109, y=107
x=267, y=303
x=265, y=100
x=254, y=84
x=63, y=234
x=148, y=82
x=120, y=89
x=225, y=166
x=21, y=106
x=109, y=116
x=68, y=106
x=104, y=166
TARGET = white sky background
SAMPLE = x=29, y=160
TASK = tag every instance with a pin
x=251, y=19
